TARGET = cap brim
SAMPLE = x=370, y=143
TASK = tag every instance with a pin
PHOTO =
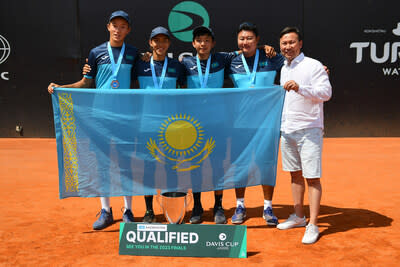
x=129, y=23
x=161, y=33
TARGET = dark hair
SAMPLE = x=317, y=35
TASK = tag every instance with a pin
x=202, y=31
x=248, y=26
x=289, y=30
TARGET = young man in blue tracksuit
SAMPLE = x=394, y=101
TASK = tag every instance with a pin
x=253, y=69
x=160, y=72
x=111, y=65
x=206, y=70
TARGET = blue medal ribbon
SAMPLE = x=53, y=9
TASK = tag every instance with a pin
x=203, y=82
x=115, y=66
x=252, y=75
x=153, y=73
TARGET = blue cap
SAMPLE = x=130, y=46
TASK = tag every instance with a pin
x=159, y=30
x=120, y=14
x=201, y=30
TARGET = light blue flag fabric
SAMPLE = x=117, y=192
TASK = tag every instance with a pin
x=134, y=142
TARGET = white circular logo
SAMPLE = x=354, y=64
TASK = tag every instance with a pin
x=222, y=236
x=4, y=49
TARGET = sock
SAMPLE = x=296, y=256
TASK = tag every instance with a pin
x=218, y=200
x=105, y=203
x=149, y=202
x=128, y=202
x=197, y=199
x=267, y=203
x=240, y=202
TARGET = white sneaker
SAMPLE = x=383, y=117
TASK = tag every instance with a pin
x=292, y=222
x=311, y=234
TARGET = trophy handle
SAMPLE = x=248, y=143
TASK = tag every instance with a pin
x=158, y=199
x=168, y=218
x=189, y=198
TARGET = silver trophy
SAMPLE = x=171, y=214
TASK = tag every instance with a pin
x=174, y=205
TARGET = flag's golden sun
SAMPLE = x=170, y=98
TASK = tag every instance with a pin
x=180, y=135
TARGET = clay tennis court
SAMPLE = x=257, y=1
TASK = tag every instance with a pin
x=359, y=217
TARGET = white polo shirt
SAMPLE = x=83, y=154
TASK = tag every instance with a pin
x=304, y=109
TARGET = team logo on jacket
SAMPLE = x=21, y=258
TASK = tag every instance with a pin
x=181, y=143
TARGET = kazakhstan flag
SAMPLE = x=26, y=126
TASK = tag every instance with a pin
x=134, y=142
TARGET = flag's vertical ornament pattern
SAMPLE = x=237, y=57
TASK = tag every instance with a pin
x=69, y=142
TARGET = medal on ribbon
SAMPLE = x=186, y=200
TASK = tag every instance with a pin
x=203, y=82
x=153, y=73
x=252, y=75
x=115, y=84
x=115, y=66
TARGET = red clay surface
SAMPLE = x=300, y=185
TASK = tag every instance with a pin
x=359, y=217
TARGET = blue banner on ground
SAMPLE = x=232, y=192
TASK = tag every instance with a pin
x=133, y=142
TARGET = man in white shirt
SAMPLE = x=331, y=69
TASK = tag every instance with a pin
x=308, y=87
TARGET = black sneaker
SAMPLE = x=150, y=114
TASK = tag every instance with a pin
x=197, y=212
x=106, y=219
x=219, y=216
x=127, y=217
x=149, y=217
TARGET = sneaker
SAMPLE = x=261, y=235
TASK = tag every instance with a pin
x=149, y=217
x=219, y=216
x=292, y=222
x=105, y=220
x=195, y=218
x=127, y=217
x=269, y=217
x=311, y=234
x=239, y=216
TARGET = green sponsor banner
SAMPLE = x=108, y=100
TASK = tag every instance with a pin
x=183, y=240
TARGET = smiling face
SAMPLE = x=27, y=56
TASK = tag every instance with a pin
x=203, y=45
x=247, y=42
x=159, y=44
x=290, y=45
x=119, y=29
